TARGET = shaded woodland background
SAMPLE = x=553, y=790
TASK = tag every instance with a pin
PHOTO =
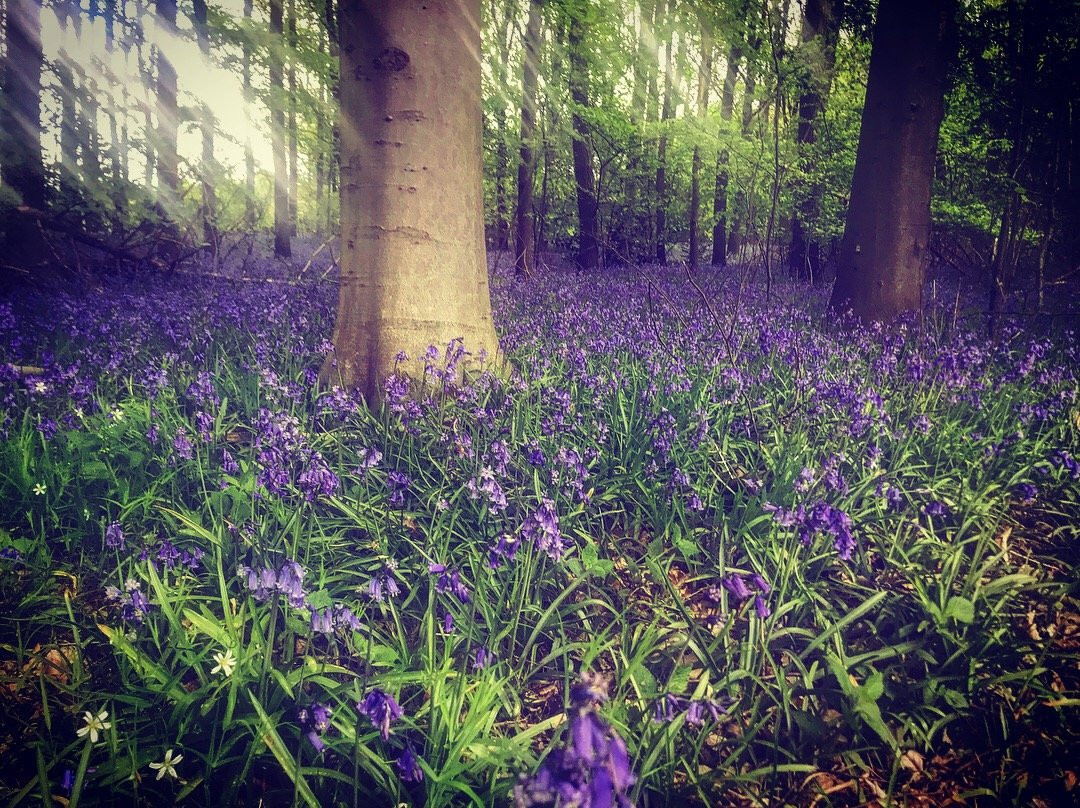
x=634, y=132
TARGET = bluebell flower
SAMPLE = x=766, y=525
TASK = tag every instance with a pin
x=381, y=709
x=408, y=766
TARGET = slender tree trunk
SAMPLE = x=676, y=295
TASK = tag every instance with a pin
x=704, y=77
x=820, y=29
x=727, y=107
x=882, y=259
x=333, y=158
x=502, y=154
x=661, y=154
x=249, y=152
x=588, y=248
x=523, y=228
x=413, y=268
x=294, y=135
x=21, y=165
x=552, y=125
x=168, y=163
x=207, y=168
x=282, y=244
x=740, y=215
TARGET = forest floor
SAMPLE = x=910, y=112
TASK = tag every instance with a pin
x=703, y=546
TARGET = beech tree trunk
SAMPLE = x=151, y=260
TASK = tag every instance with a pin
x=819, y=32
x=21, y=166
x=727, y=107
x=523, y=215
x=883, y=253
x=704, y=77
x=588, y=248
x=282, y=243
x=168, y=163
x=413, y=266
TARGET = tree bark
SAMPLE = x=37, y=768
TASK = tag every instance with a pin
x=588, y=256
x=413, y=268
x=523, y=217
x=883, y=253
x=704, y=77
x=727, y=108
x=168, y=163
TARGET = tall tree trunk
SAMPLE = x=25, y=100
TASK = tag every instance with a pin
x=740, y=215
x=523, y=227
x=333, y=158
x=282, y=244
x=413, y=268
x=502, y=154
x=21, y=166
x=551, y=126
x=821, y=25
x=207, y=169
x=294, y=135
x=661, y=153
x=882, y=260
x=704, y=77
x=249, y=152
x=168, y=163
x=727, y=107
x=588, y=256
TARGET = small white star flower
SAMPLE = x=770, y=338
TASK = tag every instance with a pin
x=39, y=489
x=117, y=414
x=40, y=387
x=167, y=766
x=79, y=412
x=93, y=725
x=226, y=662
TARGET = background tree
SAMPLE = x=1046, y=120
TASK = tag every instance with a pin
x=524, y=231
x=588, y=252
x=282, y=230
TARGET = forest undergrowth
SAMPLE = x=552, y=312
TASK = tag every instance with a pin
x=691, y=544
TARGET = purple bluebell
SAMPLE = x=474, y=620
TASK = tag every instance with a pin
x=381, y=710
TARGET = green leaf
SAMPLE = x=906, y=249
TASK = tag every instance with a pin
x=960, y=609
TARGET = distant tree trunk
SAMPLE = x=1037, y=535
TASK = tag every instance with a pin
x=727, y=106
x=333, y=158
x=882, y=259
x=502, y=154
x=207, y=168
x=588, y=248
x=523, y=227
x=661, y=155
x=704, y=77
x=820, y=28
x=249, y=152
x=551, y=125
x=21, y=166
x=294, y=135
x=413, y=268
x=740, y=215
x=282, y=244
x=168, y=163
